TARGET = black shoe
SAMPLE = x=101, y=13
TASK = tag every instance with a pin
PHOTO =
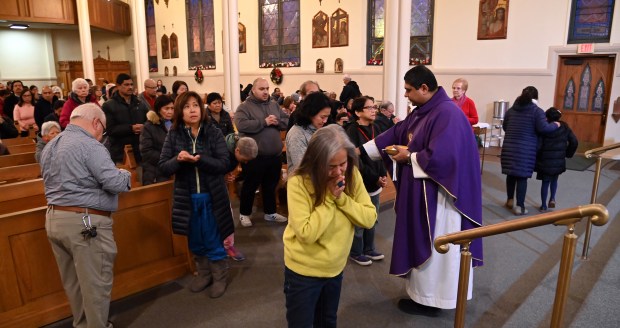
x=410, y=307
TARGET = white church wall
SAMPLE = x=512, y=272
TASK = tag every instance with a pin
x=25, y=57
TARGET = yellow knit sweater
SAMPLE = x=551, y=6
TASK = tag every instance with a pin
x=317, y=240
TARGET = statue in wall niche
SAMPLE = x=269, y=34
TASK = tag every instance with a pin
x=338, y=65
x=320, y=66
x=174, y=71
x=166, y=72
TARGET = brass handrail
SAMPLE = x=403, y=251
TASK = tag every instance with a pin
x=598, y=216
x=595, y=152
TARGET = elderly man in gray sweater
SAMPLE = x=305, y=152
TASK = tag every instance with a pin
x=261, y=119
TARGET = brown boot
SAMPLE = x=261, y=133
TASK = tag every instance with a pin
x=204, y=277
x=220, y=278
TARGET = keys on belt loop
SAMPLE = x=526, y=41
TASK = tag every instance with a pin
x=89, y=230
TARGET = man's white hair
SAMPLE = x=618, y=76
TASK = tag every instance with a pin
x=88, y=111
x=77, y=82
x=47, y=127
x=346, y=77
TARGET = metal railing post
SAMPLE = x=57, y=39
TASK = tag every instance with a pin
x=461, y=298
x=564, y=275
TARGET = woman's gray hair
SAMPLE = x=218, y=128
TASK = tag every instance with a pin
x=247, y=147
x=47, y=127
x=77, y=82
x=88, y=111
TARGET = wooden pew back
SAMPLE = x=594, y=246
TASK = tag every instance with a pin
x=17, y=159
x=17, y=141
x=21, y=196
x=23, y=148
x=17, y=173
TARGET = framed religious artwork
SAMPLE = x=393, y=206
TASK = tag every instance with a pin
x=320, y=30
x=174, y=46
x=339, y=36
x=165, y=47
x=320, y=66
x=338, y=65
x=242, y=42
x=590, y=21
x=493, y=19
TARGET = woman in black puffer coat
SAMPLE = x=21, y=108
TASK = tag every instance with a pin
x=553, y=150
x=523, y=123
x=195, y=151
x=158, y=122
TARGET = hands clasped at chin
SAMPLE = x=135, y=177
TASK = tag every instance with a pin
x=184, y=156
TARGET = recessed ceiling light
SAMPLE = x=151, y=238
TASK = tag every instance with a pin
x=19, y=26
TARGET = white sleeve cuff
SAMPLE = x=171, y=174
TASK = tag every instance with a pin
x=372, y=150
x=416, y=169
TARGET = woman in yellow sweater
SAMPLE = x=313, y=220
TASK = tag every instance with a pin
x=326, y=199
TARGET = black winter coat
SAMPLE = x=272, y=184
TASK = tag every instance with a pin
x=523, y=125
x=370, y=170
x=554, y=148
x=350, y=90
x=120, y=116
x=151, y=143
x=210, y=169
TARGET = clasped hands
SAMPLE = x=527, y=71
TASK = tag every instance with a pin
x=271, y=120
x=184, y=156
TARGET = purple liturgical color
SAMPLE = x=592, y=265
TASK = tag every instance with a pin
x=440, y=134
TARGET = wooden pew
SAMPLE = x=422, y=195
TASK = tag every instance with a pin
x=20, y=173
x=17, y=159
x=21, y=196
x=24, y=148
x=130, y=164
x=17, y=141
x=148, y=255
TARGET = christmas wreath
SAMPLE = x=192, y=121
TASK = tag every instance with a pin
x=276, y=76
x=198, y=76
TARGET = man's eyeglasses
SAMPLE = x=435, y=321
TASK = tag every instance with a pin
x=103, y=127
x=371, y=107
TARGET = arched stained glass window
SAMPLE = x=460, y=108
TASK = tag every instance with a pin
x=151, y=38
x=421, y=32
x=584, y=89
x=279, y=26
x=200, y=34
x=599, y=97
x=569, y=95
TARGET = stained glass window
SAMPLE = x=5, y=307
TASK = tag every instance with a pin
x=599, y=95
x=421, y=42
x=151, y=38
x=569, y=95
x=421, y=32
x=584, y=89
x=200, y=34
x=279, y=43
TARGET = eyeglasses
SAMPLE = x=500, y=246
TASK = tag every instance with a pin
x=371, y=107
x=103, y=127
x=155, y=87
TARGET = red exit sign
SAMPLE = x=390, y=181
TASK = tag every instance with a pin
x=585, y=48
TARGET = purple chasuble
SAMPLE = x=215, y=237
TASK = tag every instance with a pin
x=441, y=135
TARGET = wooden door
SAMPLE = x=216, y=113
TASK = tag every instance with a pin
x=582, y=94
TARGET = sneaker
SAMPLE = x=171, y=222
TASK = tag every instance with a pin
x=543, y=209
x=375, y=256
x=275, y=217
x=245, y=220
x=551, y=203
x=361, y=260
x=234, y=254
x=518, y=210
x=509, y=204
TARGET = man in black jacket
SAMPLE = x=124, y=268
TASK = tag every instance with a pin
x=13, y=98
x=44, y=106
x=350, y=89
x=125, y=115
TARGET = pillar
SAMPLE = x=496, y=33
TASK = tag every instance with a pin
x=140, y=45
x=231, y=53
x=404, y=33
x=86, y=43
x=390, y=52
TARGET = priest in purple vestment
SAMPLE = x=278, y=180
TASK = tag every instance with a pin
x=437, y=178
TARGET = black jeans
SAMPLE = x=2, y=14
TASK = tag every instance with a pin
x=311, y=301
x=262, y=171
x=521, y=184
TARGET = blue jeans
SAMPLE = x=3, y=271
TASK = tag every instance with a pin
x=311, y=301
x=364, y=239
x=551, y=184
x=204, y=237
